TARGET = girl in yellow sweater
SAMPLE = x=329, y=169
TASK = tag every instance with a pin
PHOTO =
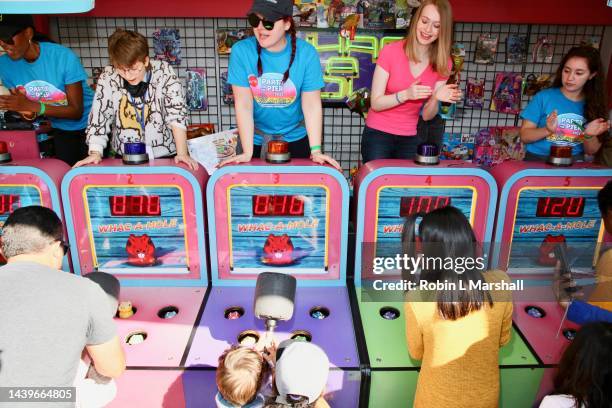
x=457, y=331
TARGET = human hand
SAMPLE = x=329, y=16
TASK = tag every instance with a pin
x=240, y=158
x=449, y=93
x=415, y=92
x=551, y=122
x=320, y=158
x=93, y=158
x=185, y=158
x=18, y=102
x=596, y=127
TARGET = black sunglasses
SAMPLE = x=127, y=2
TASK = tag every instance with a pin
x=254, y=20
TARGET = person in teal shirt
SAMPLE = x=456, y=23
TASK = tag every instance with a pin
x=45, y=79
x=277, y=80
x=572, y=112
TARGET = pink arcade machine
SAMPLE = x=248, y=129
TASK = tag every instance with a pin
x=289, y=218
x=145, y=225
x=26, y=179
x=542, y=206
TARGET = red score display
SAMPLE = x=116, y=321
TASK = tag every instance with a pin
x=280, y=205
x=560, y=207
x=134, y=206
x=413, y=205
x=9, y=203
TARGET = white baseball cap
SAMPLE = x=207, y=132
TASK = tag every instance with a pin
x=301, y=370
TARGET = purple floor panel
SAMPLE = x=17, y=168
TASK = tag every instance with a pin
x=335, y=335
x=342, y=389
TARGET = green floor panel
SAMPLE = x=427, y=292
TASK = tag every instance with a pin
x=395, y=389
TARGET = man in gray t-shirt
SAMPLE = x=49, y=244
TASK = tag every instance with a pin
x=49, y=316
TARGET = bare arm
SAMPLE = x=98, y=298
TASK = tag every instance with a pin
x=108, y=358
x=243, y=104
x=380, y=102
x=531, y=133
x=313, y=118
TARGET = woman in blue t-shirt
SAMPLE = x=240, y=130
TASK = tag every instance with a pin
x=45, y=79
x=277, y=81
x=572, y=112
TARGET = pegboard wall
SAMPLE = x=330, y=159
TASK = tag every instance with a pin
x=342, y=129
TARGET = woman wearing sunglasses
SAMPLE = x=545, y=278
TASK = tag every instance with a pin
x=45, y=79
x=277, y=81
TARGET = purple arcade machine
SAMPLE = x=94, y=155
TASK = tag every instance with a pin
x=145, y=225
x=291, y=219
x=25, y=179
x=540, y=207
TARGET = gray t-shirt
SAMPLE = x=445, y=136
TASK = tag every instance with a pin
x=47, y=317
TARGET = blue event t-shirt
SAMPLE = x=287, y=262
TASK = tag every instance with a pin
x=570, y=126
x=277, y=107
x=46, y=78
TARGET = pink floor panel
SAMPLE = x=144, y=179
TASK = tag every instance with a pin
x=150, y=389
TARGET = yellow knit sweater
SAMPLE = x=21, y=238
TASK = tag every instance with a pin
x=461, y=357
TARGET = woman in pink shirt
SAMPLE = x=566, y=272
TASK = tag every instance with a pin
x=410, y=74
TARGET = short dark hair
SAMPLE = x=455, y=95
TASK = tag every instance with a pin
x=604, y=199
x=29, y=229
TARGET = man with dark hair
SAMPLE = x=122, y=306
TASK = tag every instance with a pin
x=49, y=316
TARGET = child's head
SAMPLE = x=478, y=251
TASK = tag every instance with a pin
x=585, y=369
x=240, y=374
x=446, y=234
x=581, y=71
x=433, y=28
x=604, y=199
x=301, y=373
x=110, y=285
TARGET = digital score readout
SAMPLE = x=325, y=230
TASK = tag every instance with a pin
x=9, y=203
x=560, y=207
x=134, y=206
x=424, y=204
x=278, y=206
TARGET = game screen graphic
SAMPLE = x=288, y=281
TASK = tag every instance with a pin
x=546, y=218
x=137, y=230
x=278, y=228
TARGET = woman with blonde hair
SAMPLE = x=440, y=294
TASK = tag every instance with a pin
x=409, y=80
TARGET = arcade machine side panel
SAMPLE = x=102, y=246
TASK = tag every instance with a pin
x=22, y=144
x=32, y=182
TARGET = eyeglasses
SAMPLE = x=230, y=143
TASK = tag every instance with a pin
x=254, y=21
x=128, y=71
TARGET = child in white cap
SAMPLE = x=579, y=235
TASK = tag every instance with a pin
x=301, y=373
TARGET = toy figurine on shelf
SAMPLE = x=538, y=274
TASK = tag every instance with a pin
x=534, y=84
x=516, y=49
x=486, y=46
x=359, y=102
x=507, y=93
x=543, y=51
x=447, y=110
x=474, y=93
x=349, y=26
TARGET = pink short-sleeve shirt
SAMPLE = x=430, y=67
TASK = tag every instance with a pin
x=402, y=119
